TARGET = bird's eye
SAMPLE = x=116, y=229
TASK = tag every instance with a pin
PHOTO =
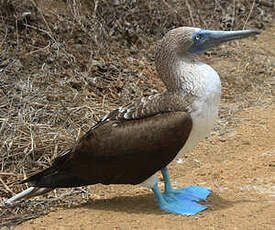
x=198, y=37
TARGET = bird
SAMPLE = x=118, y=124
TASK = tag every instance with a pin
x=132, y=143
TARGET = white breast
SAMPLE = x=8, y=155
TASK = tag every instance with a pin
x=204, y=110
x=205, y=84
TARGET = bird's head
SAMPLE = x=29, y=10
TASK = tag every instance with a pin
x=195, y=41
x=185, y=42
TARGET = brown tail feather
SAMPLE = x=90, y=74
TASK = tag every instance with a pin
x=47, y=176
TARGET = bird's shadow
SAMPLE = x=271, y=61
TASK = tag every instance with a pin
x=146, y=204
x=138, y=204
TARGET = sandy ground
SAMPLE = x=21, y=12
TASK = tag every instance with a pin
x=238, y=166
x=239, y=170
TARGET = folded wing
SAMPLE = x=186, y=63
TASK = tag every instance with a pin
x=119, y=152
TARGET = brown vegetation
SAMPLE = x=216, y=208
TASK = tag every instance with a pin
x=63, y=64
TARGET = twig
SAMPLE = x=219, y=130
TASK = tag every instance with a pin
x=62, y=196
x=38, y=50
x=250, y=12
x=8, y=174
x=46, y=23
x=6, y=33
x=95, y=8
x=6, y=186
x=18, y=220
x=190, y=12
x=199, y=14
x=41, y=30
x=267, y=3
x=233, y=14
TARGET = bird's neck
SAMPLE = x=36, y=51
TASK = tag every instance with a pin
x=176, y=72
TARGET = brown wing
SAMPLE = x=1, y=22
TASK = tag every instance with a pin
x=119, y=152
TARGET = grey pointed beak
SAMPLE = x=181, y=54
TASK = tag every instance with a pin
x=206, y=39
x=218, y=37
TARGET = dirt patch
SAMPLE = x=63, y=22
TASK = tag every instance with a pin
x=59, y=74
x=238, y=165
x=239, y=170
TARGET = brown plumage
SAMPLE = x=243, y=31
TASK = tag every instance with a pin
x=119, y=152
x=132, y=143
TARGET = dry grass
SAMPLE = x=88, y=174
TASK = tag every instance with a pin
x=63, y=64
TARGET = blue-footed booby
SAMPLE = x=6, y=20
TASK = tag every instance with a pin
x=130, y=144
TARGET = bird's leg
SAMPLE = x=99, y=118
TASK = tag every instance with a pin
x=192, y=193
x=181, y=207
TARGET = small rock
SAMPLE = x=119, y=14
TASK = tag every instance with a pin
x=269, y=153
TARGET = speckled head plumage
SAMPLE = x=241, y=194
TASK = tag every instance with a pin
x=183, y=43
x=178, y=40
x=170, y=49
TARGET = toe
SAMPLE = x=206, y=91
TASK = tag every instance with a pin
x=185, y=207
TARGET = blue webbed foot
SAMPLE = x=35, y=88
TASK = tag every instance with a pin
x=192, y=193
x=183, y=199
x=183, y=207
x=176, y=206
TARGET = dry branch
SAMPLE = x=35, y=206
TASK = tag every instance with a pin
x=65, y=66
